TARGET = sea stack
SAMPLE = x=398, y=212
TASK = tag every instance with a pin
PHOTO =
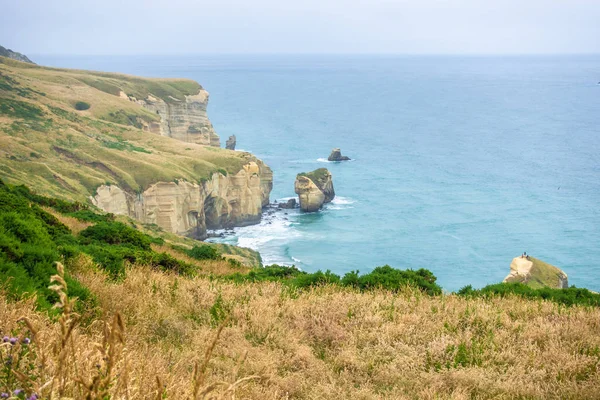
x=314, y=189
x=230, y=143
x=536, y=273
x=336, y=155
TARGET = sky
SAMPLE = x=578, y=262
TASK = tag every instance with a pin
x=107, y=27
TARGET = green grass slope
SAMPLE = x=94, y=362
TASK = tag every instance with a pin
x=52, y=141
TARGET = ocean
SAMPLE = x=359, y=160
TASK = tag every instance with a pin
x=460, y=163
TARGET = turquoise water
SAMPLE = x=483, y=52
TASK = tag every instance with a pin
x=460, y=163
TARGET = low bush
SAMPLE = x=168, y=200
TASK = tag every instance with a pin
x=389, y=278
x=570, y=296
x=384, y=277
x=204, y=252
x=90, y=216
x=82, y=105
x=115, y=233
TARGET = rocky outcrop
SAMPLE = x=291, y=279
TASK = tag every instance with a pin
x=230, y=143
x=314, y=189
x=336, y=155
x=190, y=208
x=185, y=120
x=288, y=205
x=536, y=273
x=4, y=52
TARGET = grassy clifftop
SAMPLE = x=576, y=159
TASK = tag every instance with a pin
x=66, y=132
x=317, y=176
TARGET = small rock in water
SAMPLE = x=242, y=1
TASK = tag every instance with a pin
x=291, y=203
x=336, y=155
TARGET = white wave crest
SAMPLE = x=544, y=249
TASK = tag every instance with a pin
x=340, y=203
x=285, y=199
x=339, y=200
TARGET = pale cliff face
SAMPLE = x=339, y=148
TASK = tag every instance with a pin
x=310, y=196
x=189, y=208
x=182, y=120
x=184, y=207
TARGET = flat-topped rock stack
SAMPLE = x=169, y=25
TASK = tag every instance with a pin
x=314, y=189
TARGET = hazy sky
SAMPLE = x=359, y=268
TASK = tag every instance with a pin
x=300, y=26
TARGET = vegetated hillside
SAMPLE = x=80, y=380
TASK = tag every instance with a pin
x=4, y=52
x=66, y=132
x=161, y=320
x=37, y=231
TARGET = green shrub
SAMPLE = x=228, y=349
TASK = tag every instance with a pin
x=389, y=278
x=315, y=279
x=90, y=216
x=110, y=258
x=204, y=252
x=115, y=233
x=384, y=277
x=165, y=262
x=82, y=105
x=31, y=241
x=570, y=296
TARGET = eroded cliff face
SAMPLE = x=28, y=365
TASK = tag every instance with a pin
x=189, y=208
x=310, y=196
x=182, y=120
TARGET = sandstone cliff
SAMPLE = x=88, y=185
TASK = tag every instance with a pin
x=536, y=273
x=189, y=208
x=184, y=120
x=143, y=148
x=314, y=189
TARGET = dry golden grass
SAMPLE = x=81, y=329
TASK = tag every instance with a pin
x=215, y=267
x=329, y=342
x=74, y=224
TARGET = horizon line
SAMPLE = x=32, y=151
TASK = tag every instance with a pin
x=396, y=54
